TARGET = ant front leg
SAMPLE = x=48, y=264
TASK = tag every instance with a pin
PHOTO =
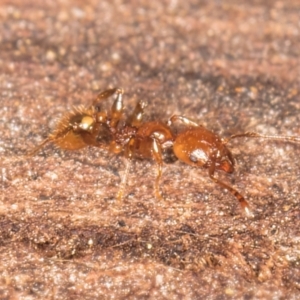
x=244, y=204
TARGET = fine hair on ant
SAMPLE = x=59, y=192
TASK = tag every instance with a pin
x=131, y=137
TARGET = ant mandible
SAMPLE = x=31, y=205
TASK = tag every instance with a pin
x=194, y=145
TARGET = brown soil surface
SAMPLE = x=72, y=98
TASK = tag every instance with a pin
x=230, y=66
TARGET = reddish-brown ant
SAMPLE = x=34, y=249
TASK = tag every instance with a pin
x=195, y=145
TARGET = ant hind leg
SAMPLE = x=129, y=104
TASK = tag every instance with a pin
x=117, y=107
x=136, y=117
x=106, y=94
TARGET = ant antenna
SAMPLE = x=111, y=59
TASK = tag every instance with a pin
x=292, y=139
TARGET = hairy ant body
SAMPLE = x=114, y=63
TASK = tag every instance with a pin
x=194, y=145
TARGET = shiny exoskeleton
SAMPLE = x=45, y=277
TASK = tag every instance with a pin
x=194, y=145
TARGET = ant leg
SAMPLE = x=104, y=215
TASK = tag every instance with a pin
x=186, y=121
x=292, y=139
x=244, y=204
x=136, y=117
x=157, y=154
x=128, y=155
x=106, y=94
x=117, y=107
x=124, y=180
x=115, y=147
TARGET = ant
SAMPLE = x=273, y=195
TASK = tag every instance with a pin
x=194, y=145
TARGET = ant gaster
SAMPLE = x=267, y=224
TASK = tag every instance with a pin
x=195, y=145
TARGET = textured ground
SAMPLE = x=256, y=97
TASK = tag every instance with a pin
x=231, y=67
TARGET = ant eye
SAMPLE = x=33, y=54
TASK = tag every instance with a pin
x=193, y=158
x=198, y=156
